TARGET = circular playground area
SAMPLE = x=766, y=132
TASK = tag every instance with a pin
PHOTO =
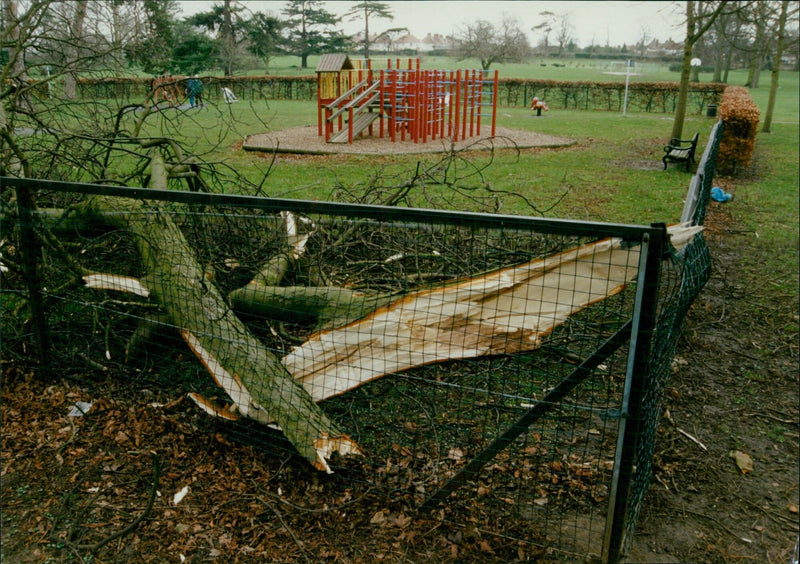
x=305, y=140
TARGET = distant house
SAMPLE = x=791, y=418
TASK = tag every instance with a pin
x=384, y=43
x=408, y=42
x=435, y=42
x=381, y=42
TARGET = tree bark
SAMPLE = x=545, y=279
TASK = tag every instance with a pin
x=776, y=67
x=76, y=37
x=236, y=359
x=328, y=306
x=693, y=34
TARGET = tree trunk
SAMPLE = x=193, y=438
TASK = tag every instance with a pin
x=718, y=62
x=18, y=77
x=695, y=28
x=76, y=36
x=727, y=65
x=776, y=67
x=229, y=40
x=503, y=312
x=686, y=69
x=236, y=359
x=757, y=53
x=324, y=305
x=366, y=31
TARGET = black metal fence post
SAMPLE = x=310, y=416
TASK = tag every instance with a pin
x=645, y=314
x=31, y=252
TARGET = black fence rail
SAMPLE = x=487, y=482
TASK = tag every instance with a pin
x=504, y=370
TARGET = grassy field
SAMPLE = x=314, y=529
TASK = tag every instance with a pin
x=533, y=68
x=612, y=174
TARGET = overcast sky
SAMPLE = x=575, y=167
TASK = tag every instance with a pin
x=594, y=23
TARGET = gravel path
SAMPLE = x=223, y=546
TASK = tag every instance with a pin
x=305, y=140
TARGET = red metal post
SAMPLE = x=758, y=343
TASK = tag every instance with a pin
x=494, y=102
x=479, y=100
x=382, y=101
x=423, y=106
x=472, y=98
x=457, y=105
x=350, y=125
x=415, y=107
x=465, y=103
x=393, y=104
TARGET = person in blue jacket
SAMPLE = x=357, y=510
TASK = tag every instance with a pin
x=194, y=89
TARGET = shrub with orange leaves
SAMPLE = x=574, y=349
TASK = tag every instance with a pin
x=741, y=115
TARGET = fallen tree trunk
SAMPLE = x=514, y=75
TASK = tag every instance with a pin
x=330, y=305
x=505, y=311
x=327, y=305
x=257, y=382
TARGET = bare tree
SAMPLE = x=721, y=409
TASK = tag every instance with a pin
x=564, y=33
x=545, y=28
x=392, y=35
x=789, y=10
x=700, y=17
x=485, y=42
x=644, y=40
x=75, y=43
x=758, y=15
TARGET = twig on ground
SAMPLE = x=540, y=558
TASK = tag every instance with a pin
x=285, y=526
x=780, y=519
x=768, y=416
x=668, y=417
x=718, y=524
x=691, y=438
x=135, y=523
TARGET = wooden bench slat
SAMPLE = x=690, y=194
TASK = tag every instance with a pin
x=678, y=152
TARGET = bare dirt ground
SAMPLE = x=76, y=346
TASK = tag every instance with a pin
x=101, y=488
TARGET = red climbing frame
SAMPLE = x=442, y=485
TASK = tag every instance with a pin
x=420, y=104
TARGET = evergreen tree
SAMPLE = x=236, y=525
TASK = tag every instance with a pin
x=264, y=36
x=365, y=9
x=193, y=52
x=156, y=49
x=309, y=30
x=228, y=26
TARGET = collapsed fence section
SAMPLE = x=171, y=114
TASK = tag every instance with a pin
x=487, y=369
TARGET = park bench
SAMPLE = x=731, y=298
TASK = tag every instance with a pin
x=680, y=150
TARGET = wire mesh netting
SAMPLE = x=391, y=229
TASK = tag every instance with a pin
x=422, y=343
x=481, y=369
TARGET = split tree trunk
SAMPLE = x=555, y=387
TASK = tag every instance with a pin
x=219, y=338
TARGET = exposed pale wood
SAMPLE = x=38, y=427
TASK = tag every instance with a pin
x=118, y=283
x=241, y=364
x=505, y=311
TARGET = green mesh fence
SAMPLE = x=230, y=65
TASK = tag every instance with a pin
x=682, y=279
x=472, y=367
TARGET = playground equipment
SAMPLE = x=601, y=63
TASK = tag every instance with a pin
x=405, y=101
x=166, y=87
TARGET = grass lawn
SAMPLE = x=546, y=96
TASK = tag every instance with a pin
x=612, y=174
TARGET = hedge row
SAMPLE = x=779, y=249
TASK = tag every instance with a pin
x=610, y=96
x=741, y=115
x=247, y=88
x=584, y=95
